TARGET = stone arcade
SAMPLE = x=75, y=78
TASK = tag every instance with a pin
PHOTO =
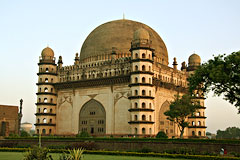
x=120, y=85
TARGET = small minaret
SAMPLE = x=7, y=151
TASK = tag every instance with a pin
x=142, y=97
x=76, y=59
x=20, y=115
x=175, y=63
x=46, y=95
x=184, y=67
x=60, y=62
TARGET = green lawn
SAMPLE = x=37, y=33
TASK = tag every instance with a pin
x=19, y=156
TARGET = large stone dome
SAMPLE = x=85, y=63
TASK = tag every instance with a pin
x=119, y=34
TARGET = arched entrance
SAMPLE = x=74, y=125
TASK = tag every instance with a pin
x=165, y=125
x=92, y=118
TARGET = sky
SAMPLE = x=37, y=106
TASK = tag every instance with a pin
x=26, y=27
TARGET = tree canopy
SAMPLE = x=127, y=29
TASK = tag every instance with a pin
x=180, y=109
x=220, y=75
x=229, y=133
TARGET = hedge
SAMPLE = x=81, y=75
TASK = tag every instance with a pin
x=129, y=139
x=197, y=157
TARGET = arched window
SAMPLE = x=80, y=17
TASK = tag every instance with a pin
x=143, y=117
x=39, y=99
x=52, y=79
x=136, y=92
x=38, y=120
x=193, y=123
x=199, y=133
x=143, y=79
x=51, y=110
x=51, y=89
x=46, y=89
x=51, y=100
x=45, y=110
x=136, y=105
x=40, y=79
x=43, y=131
x=199, y=123
x=136, y=55
x=193, y=133
x=149, y=68
x=150, y=93
x=136, y=80
x=46, y=80
x=143, y=68
x=45, y=100
x=150, y=118
x=136, y=68
x=50, y=121
x=135, y=117
x=150, y=105
x=37, y=131
x=143, y=131
x=50, y=131
x=149, y=56
x=39, y=110
x=46, y=69
x=143, y=55
x=198, y=114
x=40, y=89
x=150, y=81
x=136, y=131
x=44, y=120
x=143, y=105
x=143, y=92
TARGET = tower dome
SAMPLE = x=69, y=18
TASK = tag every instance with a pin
x=194, y=60
x=47, y=52
x=119, y=34
x=141, y=34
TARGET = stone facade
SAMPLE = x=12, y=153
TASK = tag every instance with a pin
x=8, y=120
x=111, y=90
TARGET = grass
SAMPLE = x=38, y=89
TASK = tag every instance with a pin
x=19, y=156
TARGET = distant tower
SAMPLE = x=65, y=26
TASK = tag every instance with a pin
x=20, y=116
x=46, y=95
x=197, y=123
x=142, y=106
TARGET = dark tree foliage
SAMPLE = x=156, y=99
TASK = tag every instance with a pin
x=24, y=133
x=229, y=133
x=180, y=109
x=162, y=135
x=220, y=75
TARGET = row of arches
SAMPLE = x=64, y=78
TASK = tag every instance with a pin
x=142, y=56
x=92, y=75
x=46, y=80
x=199, y=123
x=199, y=133
x=44, y=120
x=171, y=80
x=143, y=80
x=143, y=131
x=143, y=105
x=45, y=100
x=142, y=118
x=47, y=70
x=44, y=131
x=45, y=110
x=143, y=93
x=143, y=68
x=46, y=90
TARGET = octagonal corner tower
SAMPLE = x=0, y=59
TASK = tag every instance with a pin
x=118, y=34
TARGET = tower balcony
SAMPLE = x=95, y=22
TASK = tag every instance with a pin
x=142, y=72
x=141, y=122
x=141, y=110
x=46, y=93
x=140, y=97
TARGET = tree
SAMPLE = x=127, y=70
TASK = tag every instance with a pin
x=24, y=133
x=180, y=109
x=220, y=75
x=229, y=133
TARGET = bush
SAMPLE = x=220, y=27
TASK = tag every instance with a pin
x=37, y=153
x=83, y=134
x=162, y=135
x=24, y=133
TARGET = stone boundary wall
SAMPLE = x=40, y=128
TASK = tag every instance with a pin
x=203, y=148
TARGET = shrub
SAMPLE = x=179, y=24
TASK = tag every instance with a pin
x=37, y=153
x=162, y=135
x=24, y=133
x=83, y=134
